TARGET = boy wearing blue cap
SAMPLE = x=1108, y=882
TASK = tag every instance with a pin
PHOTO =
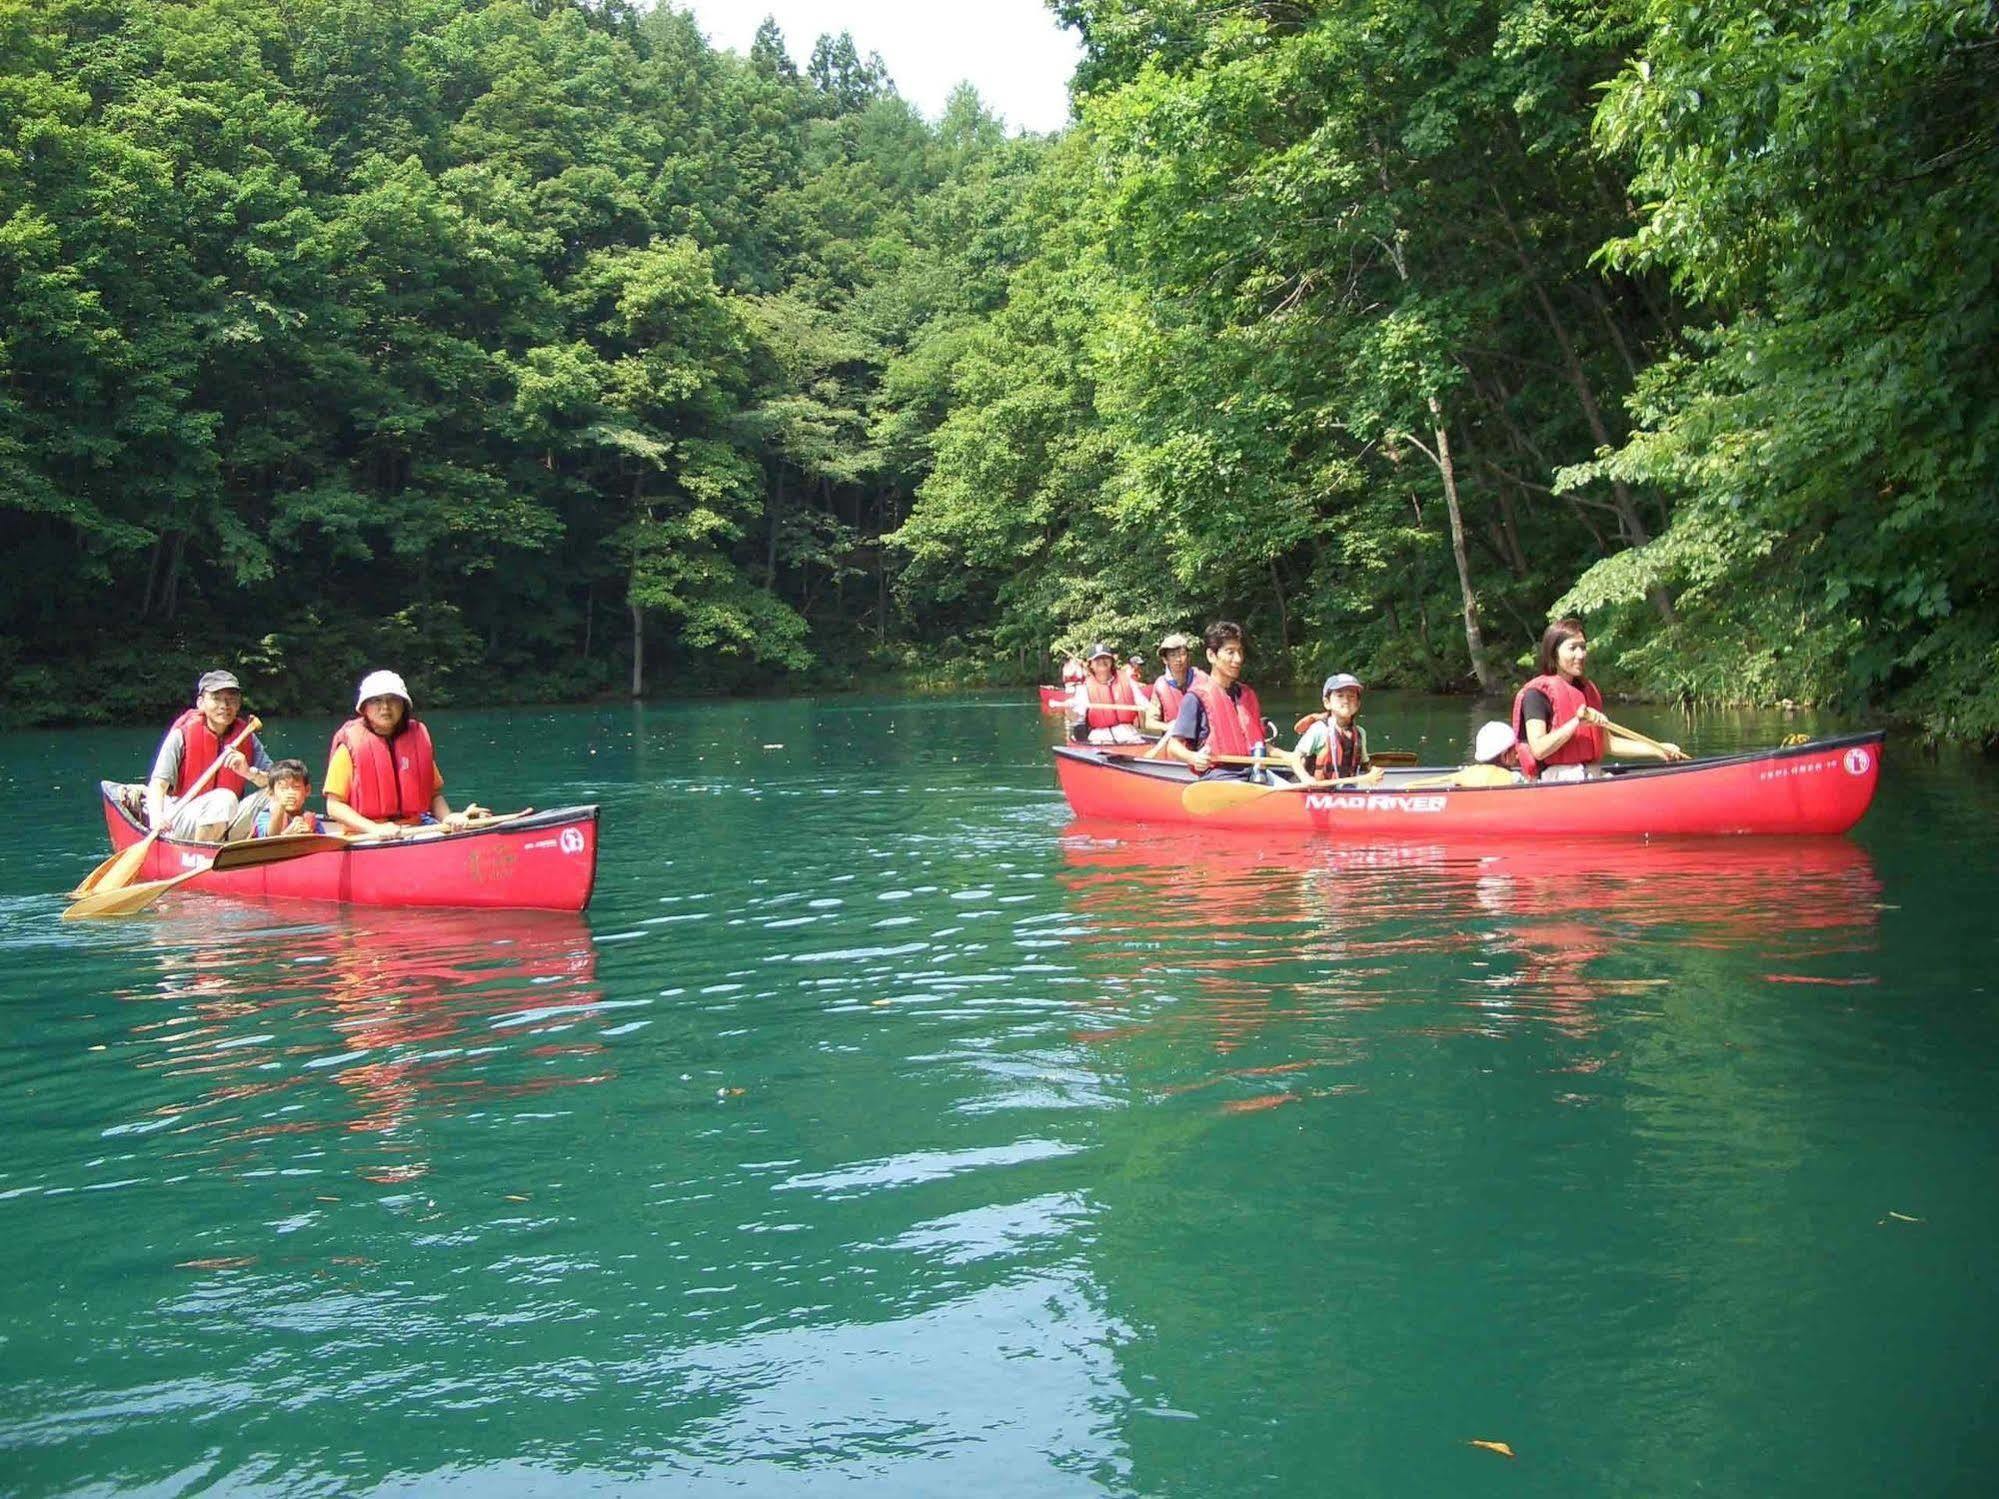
x=1335, y=746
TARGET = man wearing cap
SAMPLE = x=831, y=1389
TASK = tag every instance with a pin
x=1173, y=684
x=1104, y=709
x=381, y=773
x=195, y=741
x=1335, y=745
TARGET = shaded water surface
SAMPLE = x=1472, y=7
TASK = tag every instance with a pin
x=881, y=1124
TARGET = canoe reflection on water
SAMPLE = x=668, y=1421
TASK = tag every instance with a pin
x=1500, y=933
x=408, y=1015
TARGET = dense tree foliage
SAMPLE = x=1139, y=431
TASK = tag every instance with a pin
x=546, y=351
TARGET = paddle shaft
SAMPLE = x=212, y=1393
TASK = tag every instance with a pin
x=1637, y=738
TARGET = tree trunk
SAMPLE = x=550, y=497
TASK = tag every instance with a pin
x=1627, y=507
x=1474, y=640
x=773, y=510
x=170, y=590
x=638, y=651
x=1283, y=614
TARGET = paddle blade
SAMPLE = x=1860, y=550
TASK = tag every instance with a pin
x=250, y=851
x=116, y=871
x=122, y=900
x=1206, y=798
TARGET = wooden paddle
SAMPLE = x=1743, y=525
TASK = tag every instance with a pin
x=1645, y=739
x=124, y=900
x=433, y=831
x=118, y=870
x=1205, y=798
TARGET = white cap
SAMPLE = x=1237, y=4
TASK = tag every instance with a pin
x=381, y=684
x=1494, y=739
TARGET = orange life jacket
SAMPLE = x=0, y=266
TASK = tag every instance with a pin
x=200, y=749
x=1345, y=754
x=1117, y=690
x=1166, y=698
x=1234, y=724
x=395, y=780
x=1585, y=747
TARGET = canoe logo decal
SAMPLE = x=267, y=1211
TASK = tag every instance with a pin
x=1319, y=801
x=572, y=840
x=1858, y=762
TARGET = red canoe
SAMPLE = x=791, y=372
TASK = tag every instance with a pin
x=1821, y=787
x=543, y=862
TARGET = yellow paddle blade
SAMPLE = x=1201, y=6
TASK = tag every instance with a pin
x=1206, y=798
x=116, y=871
x=123, y=900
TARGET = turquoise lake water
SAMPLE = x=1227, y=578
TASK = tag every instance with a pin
x=879, y=1129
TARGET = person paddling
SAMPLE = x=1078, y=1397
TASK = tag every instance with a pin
x=193, y=742
x=1104, y=708
x=1171, y=686
x=1558, y=715
x=382, y=778
x=1335, y=746
x=1220, y=714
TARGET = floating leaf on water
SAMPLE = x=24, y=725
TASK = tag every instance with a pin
x=1900, y=1217
x=221, y=1262
x=1258, y=1105
x=1500, y=1447
x=515, y=1197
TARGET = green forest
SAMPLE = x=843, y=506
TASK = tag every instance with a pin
x=542, y=351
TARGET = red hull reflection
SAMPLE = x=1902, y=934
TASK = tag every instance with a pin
x=1504, y=932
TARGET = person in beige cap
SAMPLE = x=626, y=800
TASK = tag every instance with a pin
x=200, y=736
x=1172, y=684
x=382, y=779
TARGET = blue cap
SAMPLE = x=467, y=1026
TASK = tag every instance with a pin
x=1339, y=680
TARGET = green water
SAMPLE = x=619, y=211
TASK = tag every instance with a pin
x=876, y=1126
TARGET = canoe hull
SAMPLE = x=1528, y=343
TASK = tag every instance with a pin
x=1819, y=788
x=545, y=862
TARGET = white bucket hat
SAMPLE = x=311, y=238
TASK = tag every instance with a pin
x=1494, y=739
x=381, y=684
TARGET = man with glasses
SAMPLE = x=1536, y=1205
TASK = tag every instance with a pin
x=195, y=741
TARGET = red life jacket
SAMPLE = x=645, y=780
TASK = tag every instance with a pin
x=1345, y=753
x=1166, y=698
x=1585, y=747
x=1234, y=724
x=1117, y=690
x=395, y=780
x=200, y=749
